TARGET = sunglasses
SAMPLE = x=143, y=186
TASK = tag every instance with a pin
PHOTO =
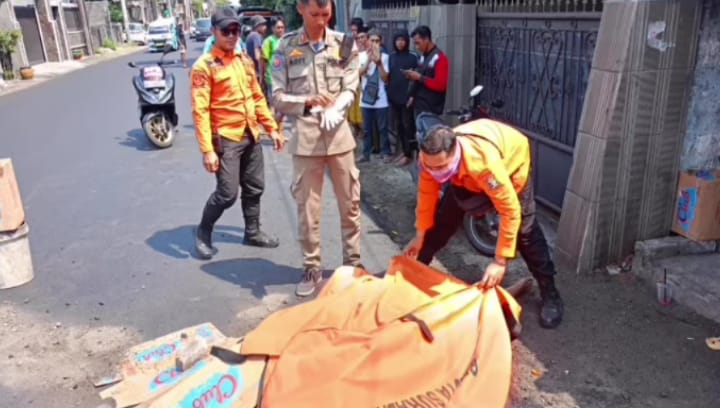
x=226, y=32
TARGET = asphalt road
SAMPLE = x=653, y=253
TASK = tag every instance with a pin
x=111, y=219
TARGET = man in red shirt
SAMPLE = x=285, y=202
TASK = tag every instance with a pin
x=429, y=81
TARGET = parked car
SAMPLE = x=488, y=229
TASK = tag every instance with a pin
x=246, y=14
x=193, y=30
x=203, y=29
x=137, y=34
x=161, y=32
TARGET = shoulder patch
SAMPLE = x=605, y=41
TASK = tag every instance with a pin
x=199, y=78
x=278, y=62
x=492, y=182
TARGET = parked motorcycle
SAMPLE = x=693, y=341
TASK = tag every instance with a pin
x=480, y=230
x=156, y=101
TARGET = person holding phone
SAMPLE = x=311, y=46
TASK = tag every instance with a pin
x=374, y=100
x=228, y=104
x=429, y=82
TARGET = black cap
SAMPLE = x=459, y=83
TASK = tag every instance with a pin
x=223, y=17
x=257, y=21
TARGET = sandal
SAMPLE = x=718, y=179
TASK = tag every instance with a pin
x=713, y=343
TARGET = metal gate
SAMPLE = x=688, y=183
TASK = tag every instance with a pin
x=32, y=40
x=537, y=64
x=75, y=32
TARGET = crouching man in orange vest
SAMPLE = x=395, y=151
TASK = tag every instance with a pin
x=487, y=164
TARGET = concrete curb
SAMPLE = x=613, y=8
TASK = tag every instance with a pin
x=690, y=268
x=20, y=85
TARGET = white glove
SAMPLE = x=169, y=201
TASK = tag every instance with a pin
x=330, y=118
x=344, y=101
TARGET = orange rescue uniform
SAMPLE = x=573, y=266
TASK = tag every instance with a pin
x=227, y=98
x=495, y=161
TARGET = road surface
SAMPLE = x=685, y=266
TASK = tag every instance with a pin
x=111, y=219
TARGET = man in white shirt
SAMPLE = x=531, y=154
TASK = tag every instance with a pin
x=373, y=99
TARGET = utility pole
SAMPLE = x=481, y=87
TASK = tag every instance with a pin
x=188, y=14
x=126, y=24
x=142, y=12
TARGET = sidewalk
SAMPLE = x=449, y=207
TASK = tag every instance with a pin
x=50, y=70
x=690, y=268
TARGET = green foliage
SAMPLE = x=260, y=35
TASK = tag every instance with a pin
x=116, y=15
x=222, y=3
x=9, y=41
x=198, y=7
x=8, y=45
x=108, y=43
x=288, y=8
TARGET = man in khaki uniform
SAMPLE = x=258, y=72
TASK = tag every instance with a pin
x=314, y=78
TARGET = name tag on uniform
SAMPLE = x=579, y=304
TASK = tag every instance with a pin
x=296, y=61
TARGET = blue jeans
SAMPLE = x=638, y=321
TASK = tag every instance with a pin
x=370, y=116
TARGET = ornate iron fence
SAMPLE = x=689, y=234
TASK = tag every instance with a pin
x=539, y=68
x=540, y=6
x=538, y=65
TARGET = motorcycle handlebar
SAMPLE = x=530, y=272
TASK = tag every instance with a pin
x=133, y=64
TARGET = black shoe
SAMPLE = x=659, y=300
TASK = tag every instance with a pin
x=552, y=308
x=203, y=244
x=260, y=239
x=255, y=237
x=309, y=283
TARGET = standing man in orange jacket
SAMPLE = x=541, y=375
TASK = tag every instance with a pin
x=487, y=164
x=228, y=108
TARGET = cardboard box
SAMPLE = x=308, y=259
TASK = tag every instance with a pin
x=697, y=206
x=148, y=375
x=148, y=369
x=12, y=214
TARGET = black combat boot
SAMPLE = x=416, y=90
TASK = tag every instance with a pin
x=203, y=243
x=255, y=237
x=551, y=310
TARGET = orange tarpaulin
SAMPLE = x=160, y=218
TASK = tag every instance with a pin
x=415, y=338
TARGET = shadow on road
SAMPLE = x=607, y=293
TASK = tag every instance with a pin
x=136, y=138
x=254, y=274
x=180, y=242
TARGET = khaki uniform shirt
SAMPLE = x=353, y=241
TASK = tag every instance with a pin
x=300, y=71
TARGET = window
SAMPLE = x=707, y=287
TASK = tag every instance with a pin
x=159, y=30
x=203, y=23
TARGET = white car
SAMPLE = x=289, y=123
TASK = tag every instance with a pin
x=137, y=34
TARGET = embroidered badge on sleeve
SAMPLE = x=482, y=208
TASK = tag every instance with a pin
x=199, y=79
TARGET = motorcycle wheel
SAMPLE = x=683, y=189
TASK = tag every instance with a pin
x=158, y=129
x=482, y=232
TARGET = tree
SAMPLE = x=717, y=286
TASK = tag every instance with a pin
x=221, y=3
x=116, y=14
x=198, y=6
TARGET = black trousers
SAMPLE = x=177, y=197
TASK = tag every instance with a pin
x=531, y=243
x=404, y=123
x=241, y=165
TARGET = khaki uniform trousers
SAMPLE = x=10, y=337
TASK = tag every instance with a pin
x=307, y=190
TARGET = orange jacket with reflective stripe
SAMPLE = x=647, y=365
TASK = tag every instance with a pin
x=227, y=99
x=497, y=163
